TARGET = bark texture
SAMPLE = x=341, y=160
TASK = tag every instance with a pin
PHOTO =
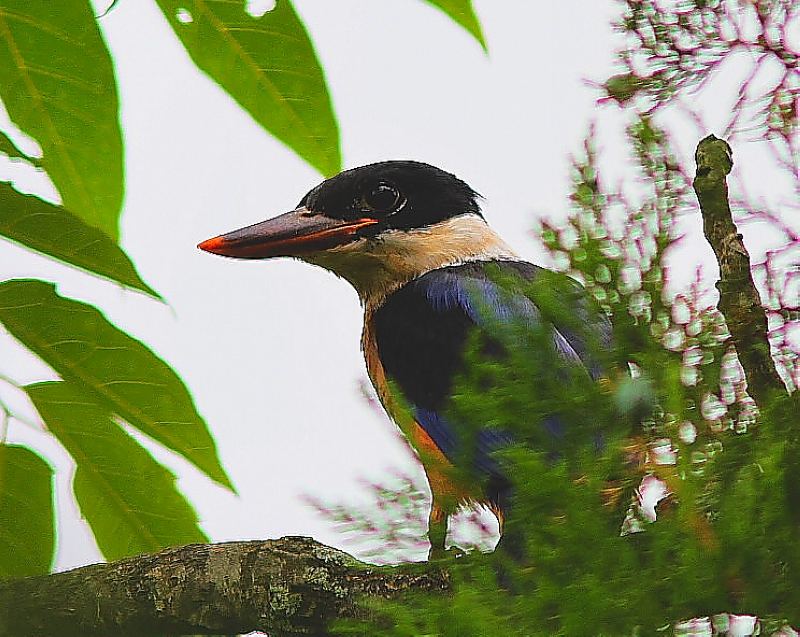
x=291, y=586
x=739, y=301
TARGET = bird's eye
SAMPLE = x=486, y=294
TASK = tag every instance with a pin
x=383, y=198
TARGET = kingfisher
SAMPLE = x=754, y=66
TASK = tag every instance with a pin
x=413, y=242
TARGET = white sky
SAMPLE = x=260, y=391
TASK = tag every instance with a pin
x=270, y=350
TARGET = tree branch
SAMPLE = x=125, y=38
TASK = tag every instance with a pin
x=738, y=298
x=291, y=586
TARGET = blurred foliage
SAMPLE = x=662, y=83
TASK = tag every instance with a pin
x=673, y=49
x=58, y=86
x=391, y=527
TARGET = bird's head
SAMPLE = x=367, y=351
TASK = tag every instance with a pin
x=378, y=226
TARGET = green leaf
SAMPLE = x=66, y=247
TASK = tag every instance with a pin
x=461, y=12
x=57, y=83
x=9, y=148
x=119, y=372
x=130, y=501
x=27, y=522
x=54, y=231
x=268, y=65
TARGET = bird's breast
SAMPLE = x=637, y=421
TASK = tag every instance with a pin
x=392, y=403
x=438, y=468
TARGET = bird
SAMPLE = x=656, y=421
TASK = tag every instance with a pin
x=413, y=242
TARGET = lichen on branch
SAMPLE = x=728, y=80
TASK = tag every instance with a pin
x=290, y=586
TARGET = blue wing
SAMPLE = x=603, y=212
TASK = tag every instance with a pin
x=422, y=331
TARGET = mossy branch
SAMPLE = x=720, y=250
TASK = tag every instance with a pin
x=738, y=298
x=291, y=586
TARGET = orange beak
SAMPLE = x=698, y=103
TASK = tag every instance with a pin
x=288, y=235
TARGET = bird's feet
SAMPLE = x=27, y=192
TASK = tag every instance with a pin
x=437, y=533
x=440, y=552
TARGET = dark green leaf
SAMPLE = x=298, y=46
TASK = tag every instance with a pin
x=57, y=83
x=461, y=12
x=268, y=66
x=27, y=533
x=118, y=371
x=130, y=501
x=56, y=232
x=9, y=148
